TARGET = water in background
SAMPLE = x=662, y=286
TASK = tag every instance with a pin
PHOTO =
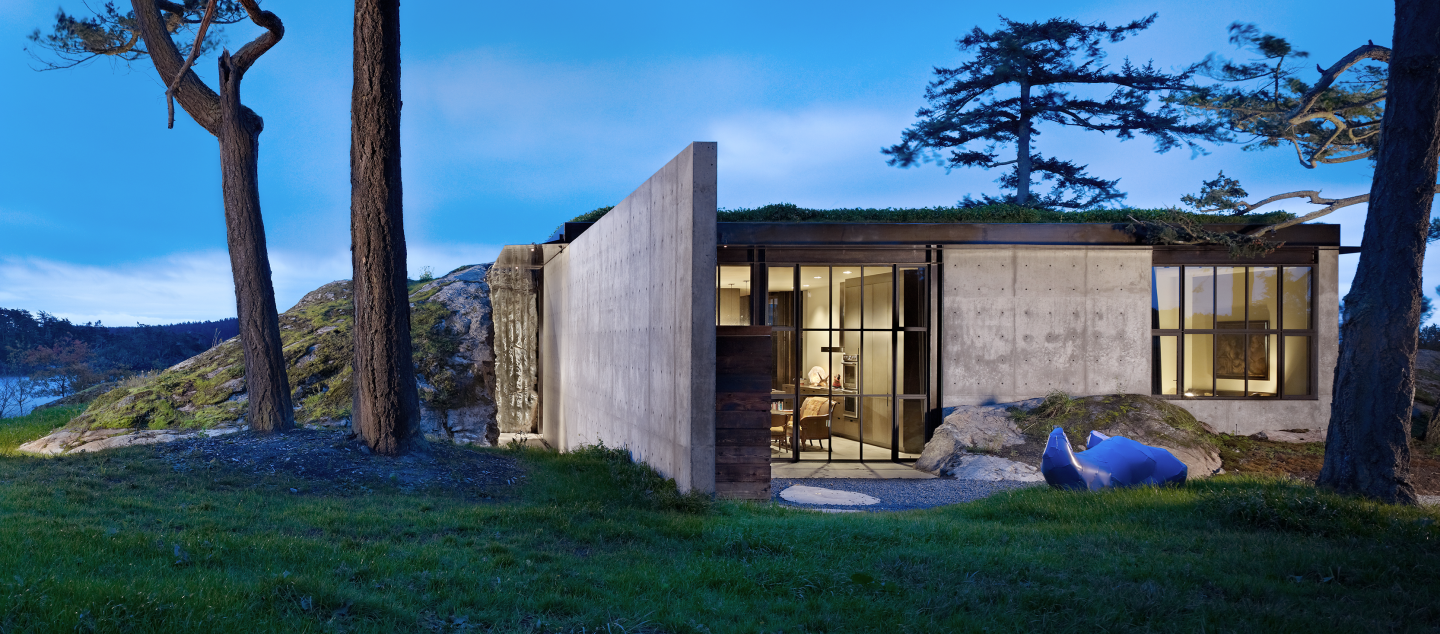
x=29, y=405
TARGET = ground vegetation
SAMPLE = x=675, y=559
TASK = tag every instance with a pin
x=997, y=213
x=198, y=537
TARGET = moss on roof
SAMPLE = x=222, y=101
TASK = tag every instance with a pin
x=786, y=212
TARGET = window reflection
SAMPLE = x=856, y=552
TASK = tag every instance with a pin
x=1165, y=297
x=1166, y=355
x=1263, y=295
x=814, y=297
x=732, y=299
x=1199, y=365
x=1297, y=367
x=1297, y=297
x=1199, y=297
x=780, y=301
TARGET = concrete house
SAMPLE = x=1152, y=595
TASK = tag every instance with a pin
x=712, y=349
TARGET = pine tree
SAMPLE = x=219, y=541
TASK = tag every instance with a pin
x=985, y=112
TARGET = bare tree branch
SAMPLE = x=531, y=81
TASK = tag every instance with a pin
x=274, y=30
x=1333, y=205
x=198, y=99
x=1307, y=101
x=194, y=52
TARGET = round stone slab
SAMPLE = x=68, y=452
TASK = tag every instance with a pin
x=801, y=494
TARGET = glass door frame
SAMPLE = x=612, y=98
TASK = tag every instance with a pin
x=760, y=274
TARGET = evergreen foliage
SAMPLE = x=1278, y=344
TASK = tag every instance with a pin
x=114, y=349
x=1221, y=194
x=1027, y=74
x=1263, y=102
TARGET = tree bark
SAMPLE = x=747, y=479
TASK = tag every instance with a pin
x=1367, y=451
x=386, y=410
x=238, y=130
x=1022, y=158
x=266, y=384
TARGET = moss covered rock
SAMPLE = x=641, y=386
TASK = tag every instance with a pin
x=451, y=332
x=1018, y=431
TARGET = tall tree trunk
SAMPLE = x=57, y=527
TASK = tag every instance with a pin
x=266, y=385
x=386, y=410
x=238, y=129
x=1022, y=156
x=1368, y=447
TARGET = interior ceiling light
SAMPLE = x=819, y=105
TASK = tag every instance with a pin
x=817, y=277
x=847, y=272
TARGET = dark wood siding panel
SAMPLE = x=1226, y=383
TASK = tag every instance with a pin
x=742, y=412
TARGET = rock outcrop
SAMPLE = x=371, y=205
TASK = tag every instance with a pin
x=451, y=332
x=1009, y=436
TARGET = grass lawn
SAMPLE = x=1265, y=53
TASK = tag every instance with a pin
x=119, y=542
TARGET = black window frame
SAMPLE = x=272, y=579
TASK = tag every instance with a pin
x=1280, y=332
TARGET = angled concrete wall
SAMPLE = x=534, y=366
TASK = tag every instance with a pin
x=628, y=330
x=1019, y=322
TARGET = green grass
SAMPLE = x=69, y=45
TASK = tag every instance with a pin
x=22, y=429
x=119, y=542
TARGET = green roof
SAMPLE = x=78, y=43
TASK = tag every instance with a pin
x=786, y=212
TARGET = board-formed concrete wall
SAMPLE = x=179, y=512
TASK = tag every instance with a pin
x=628, y=331
x=1019, y=322
x=1247, y=417
x=513, y=311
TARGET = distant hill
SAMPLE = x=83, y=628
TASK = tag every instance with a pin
x=115, y=348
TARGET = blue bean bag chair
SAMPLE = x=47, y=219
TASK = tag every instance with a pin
x=1107, y=462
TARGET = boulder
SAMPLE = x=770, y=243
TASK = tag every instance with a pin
x=456, y=373
x=1292, y=435
x=1016, y=432
x=451, y=333
x=989, y=468
x=968, y=429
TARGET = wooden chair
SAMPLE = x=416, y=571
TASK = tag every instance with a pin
x=814, y=423
x=779, y=428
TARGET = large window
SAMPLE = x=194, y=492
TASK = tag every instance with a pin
x=851, y=354
x=1233, y=331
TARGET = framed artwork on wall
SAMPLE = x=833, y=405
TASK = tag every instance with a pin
x=1230, y=352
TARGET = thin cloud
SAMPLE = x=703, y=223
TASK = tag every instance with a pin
x=187, y=286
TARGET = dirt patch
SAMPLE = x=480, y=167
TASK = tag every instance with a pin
x=1243, y=454
x=1425, y=474
x=336, y=461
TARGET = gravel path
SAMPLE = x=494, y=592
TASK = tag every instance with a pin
x=900, y=494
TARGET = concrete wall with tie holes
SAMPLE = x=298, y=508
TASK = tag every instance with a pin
x=628, y=334
x=1019, y=322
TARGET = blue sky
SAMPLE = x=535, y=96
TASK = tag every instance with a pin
x=519, y=116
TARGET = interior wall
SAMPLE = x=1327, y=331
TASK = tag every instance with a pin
x=628, y=334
